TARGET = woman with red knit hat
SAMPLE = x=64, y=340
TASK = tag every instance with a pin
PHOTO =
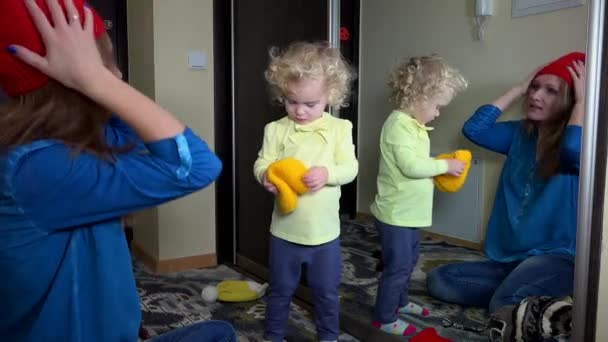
x=530, y=237
x=69, y=170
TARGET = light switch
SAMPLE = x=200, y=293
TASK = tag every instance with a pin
x=197, y=60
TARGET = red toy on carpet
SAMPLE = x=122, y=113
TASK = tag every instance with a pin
x=429, y=335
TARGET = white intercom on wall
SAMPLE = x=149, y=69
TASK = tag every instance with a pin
x=483, y=11
x=483, y=8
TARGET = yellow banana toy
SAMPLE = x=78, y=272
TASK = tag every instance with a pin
x=286, y=174
x=449, y=183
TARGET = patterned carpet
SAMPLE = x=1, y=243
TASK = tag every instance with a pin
x=360, y=280
x=171, y=301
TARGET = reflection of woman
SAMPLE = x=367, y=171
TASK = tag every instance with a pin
x=531, y=233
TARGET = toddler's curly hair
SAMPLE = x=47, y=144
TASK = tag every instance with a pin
x=310, y=60
x=419, y=79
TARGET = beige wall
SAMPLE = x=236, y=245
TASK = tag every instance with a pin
x=512, y=48
x=161, y=33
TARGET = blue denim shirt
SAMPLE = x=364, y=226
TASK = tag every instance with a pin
x=531, y=215
x=65, y=265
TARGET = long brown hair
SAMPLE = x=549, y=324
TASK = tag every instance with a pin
x=548, y=144
x=57, y=112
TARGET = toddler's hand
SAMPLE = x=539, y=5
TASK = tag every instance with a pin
x=268, y=186
x=455, y=167
x=315, y=178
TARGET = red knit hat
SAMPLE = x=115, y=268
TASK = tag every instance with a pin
x=558, y=66
x=16, y=77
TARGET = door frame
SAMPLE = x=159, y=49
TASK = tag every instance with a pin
x=225, y=185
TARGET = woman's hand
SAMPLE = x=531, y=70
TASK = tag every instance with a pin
x=577, y=72
x=523, y=86
x=71, y=57
x=515, y=92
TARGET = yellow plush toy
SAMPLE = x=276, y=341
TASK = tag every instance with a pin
x=234, y=291
x=286, y=174
x=449, y=183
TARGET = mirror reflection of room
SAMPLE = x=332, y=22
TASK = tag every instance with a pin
x=499, y=234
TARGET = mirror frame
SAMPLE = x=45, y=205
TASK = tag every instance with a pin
x=592, y=180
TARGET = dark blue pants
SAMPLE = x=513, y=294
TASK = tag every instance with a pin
x=210, y=331
x=400, y=247
x=492, y=284
x=323, y=269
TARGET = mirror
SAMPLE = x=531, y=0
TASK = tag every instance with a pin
x=494, y=51
x=509, y=49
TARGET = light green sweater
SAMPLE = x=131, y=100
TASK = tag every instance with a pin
x=405, y=184
x=325, y=142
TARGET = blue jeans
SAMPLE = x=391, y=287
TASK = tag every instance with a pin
x=400, y=248
x=208, y=331
x=323, y=269
x=492, y=284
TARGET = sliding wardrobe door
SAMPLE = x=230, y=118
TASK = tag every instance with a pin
x=257, y=26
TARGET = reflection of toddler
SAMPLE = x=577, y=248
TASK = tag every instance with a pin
x=306, y=78
x=421, y=86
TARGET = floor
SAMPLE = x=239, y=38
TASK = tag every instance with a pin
x=171, y=301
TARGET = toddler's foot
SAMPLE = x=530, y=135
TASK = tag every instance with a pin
x=413, y=308
x=398, y=327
